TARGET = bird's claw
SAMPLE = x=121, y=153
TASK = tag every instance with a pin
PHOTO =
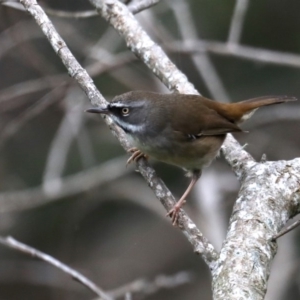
x=174, y=212
x=136, y=155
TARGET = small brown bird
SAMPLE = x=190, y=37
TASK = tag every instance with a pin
x=183, y=130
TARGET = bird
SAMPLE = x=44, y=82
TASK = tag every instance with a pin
x=184, y=130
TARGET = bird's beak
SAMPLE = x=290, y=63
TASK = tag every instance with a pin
x=98, y=110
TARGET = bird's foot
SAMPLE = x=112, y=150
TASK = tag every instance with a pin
x=136, y=155
x=174, y=212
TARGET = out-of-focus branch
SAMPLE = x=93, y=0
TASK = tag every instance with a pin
x=284, y=268
x=243, y=52
x=202, y=61
x=237, y=21
x=14, y=244
x=140, y=43
x=148, y=287
x=136, y=6
x=212, y=215
x=28, y=87
x=71, y=185
x=25, y=30
x=18, y=122
x=59, y=148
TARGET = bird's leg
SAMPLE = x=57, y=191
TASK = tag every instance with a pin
x=136, y=155
x=174, y=212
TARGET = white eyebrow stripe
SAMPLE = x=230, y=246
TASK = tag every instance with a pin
x=116, y=104
x=132, y=104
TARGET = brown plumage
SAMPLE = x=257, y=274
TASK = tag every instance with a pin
x=184, y=130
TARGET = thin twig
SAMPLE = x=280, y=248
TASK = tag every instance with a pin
x=28, y=87
x=14, y=244
x=23, y=30
x=286, y=230
x=149, y=287
x=32, y=111
x=137, y=6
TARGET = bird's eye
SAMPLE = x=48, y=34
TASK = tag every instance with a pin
x=125, y=111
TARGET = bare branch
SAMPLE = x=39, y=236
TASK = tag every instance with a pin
x=134, y=6
x=286, y=230
x=14, y=244
x=246, y=257
x=24, y=30
x=28, y=87
x=71, y=185
x=69, y=14
x=54, y=12
x=212, y=215
x=243, y=52
x=140, y=43
x=148, y=287
x=137, y=6
x=202, y=62
x=68, y=129
x=237, y=21
x=17, y=123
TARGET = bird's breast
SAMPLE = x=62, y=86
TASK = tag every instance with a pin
x=188, y=153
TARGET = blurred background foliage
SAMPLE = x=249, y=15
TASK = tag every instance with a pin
x=114, y=231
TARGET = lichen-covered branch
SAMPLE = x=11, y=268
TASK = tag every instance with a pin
x=268, y=198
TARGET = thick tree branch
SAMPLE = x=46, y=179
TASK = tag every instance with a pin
x=268, y=198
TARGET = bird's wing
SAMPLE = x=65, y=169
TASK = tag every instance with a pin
x=196, y=119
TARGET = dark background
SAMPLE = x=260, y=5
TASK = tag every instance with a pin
x=116, y=232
